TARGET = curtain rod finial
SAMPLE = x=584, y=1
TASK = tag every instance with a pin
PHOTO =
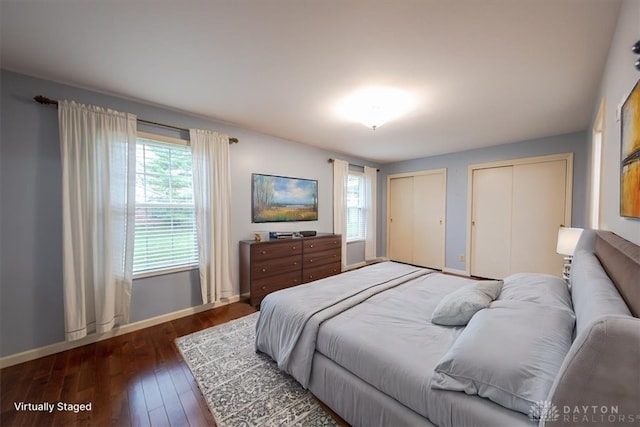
x=44, y=100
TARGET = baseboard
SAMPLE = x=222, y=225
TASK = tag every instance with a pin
x=25, y=356
x=455, y=271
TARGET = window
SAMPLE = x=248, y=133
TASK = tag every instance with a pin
x=165, y=231
x=355, y=207
x=595, y=180
x=596, y=166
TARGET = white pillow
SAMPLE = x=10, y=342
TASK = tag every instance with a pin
x=457, y=308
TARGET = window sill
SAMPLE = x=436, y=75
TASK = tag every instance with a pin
x=355, y=241
x=147, y=274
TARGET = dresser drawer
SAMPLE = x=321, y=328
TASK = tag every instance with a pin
x=320, y=272
x=321, y=257
x=322, y=244
x=270, y=250
x=271, y=267
x=266, y=285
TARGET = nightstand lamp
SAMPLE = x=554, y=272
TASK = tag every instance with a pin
x=567, y=240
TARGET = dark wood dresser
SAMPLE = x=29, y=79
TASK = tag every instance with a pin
x=272, y=265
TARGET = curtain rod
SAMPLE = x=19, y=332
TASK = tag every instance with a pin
x=48, y=101
x=331, y=160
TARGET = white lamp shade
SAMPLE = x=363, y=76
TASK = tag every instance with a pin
x=567, y=240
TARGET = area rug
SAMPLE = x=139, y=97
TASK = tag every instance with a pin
x=245, y=388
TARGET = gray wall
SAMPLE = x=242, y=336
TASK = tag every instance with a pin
x=618, y=79
x=31, y=307
x=457, y=167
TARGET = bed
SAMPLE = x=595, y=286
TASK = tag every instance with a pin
x=392, y=344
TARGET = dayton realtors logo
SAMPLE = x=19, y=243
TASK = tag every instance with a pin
x=545, y=410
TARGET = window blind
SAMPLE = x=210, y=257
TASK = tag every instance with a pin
x=165, y=229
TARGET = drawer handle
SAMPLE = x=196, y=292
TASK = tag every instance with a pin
x=335, y=256
x=263, y=252
x=293, y=248
x=311, y=245
x=264, y=270
x=310, y=276
x=295, y=263
x=264, y=288
x=310, y=260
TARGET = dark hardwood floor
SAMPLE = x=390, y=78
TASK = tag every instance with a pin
x=136, y=379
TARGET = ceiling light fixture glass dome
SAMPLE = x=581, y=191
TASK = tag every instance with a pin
x=374, y=106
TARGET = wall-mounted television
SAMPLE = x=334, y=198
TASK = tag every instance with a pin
x=283, y=199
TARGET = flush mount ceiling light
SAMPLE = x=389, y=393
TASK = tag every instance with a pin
x=375, y=106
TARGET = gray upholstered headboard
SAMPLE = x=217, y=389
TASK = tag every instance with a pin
x=601, y=369
x=620, y=258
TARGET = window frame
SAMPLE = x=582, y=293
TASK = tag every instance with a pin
x=171, y=269
x=597, y=156
x=363, y=225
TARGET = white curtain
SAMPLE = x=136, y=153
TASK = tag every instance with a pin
x=340, y=175
x=98, y=148
x=212, y=194
x=370, y=191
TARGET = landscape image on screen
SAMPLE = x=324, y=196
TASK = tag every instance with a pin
x=278, y=198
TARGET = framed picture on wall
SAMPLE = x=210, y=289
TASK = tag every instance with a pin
x=283, y=199
x=630, y=155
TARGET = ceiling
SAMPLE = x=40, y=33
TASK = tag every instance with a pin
x=483, y=72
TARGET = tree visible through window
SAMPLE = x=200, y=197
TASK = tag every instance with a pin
x=355, y=207
x=165, y=233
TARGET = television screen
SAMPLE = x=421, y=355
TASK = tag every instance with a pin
x=280, y=199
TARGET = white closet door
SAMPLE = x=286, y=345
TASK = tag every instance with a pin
x=401, y=219
x=429, y=210
x=539, y=199
x=491, y=222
